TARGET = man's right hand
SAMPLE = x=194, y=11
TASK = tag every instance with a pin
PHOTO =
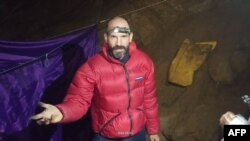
x=51, y=114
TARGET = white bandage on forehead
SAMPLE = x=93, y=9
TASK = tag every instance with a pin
x=120, y=30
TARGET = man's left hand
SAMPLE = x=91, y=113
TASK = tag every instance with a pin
x=154, y=137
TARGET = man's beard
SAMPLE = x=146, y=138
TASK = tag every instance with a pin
x=118, y=52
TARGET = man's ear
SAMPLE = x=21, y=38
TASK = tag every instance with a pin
x=130, y=36
x=105, y=37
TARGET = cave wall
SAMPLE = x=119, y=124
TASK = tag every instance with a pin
x=187, y=113
x=192, y=113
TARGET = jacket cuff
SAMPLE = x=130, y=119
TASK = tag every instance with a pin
x=61, y=109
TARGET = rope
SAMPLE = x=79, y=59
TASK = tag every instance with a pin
x=102, y=21
x=44, y=56
x=149, y=6
x=105, y=20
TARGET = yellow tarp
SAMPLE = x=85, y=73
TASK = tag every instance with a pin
x=188, y=59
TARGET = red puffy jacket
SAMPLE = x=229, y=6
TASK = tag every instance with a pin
x=122, y=96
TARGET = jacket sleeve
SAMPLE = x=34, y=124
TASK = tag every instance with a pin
x=79, y=95
x=151, y=107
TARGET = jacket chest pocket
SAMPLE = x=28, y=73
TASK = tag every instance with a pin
x=138, y=82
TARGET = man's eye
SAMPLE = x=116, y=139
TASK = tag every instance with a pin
x=112, y=36
x=124, y=36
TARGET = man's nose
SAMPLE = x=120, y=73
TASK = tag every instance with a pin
x=118, y=41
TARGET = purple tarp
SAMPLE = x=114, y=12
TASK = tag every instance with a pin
x=38, y=71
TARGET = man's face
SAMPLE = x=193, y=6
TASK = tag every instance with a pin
x=119, y=41
x=118, y=37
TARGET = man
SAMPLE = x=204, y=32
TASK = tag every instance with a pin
x=119, y=85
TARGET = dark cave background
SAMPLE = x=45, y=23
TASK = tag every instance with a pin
x=187, y=113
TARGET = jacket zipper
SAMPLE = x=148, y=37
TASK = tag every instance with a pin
x=129, y=99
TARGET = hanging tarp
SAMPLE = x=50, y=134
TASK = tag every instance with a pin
x=38, y=71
